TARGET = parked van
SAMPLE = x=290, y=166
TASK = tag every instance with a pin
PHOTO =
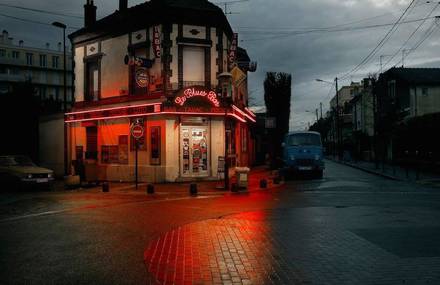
x=303, y=152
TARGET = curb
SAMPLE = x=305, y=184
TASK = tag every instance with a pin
x=390, y=177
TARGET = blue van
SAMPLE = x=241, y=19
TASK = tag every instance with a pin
x=303, y=152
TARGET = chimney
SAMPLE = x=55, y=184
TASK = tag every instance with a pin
x=21, y=43
x=59, y=46
x=123, y=5
x=89, y=13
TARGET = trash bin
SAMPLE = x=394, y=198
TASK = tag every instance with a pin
x=242, y=175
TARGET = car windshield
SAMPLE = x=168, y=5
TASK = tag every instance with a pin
x=304, y=140
x=15, y=161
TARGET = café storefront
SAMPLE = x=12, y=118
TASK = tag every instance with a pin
x=184, y=139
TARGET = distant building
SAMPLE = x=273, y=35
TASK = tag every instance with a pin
x=42, y=67
x=346, y=93
x=405, y=95
x=362, y=106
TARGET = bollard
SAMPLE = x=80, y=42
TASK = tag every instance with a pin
x=193, y=189
x=105, y=187
x=234, y=187
x=150, y=189
x=263, y=183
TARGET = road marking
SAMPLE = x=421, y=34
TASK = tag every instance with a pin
x=88, y=207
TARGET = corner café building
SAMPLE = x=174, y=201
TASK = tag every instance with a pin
x=172, y=66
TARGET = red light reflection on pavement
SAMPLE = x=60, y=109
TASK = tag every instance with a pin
x=237, y=250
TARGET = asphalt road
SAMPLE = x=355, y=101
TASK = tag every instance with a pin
x=351, y=227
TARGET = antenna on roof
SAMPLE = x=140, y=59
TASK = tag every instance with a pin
x=229, y=3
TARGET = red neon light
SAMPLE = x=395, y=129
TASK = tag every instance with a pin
x=250, y=112
x=243, y=113
x=193, y=92
x=114, y=108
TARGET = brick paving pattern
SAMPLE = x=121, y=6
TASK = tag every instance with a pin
x=281, y=248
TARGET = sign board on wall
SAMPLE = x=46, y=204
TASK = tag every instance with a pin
x=233, y=49
x=156, y=41
x=142, y=77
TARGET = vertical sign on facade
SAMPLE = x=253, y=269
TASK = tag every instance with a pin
x=233, y=49
x=156, y=42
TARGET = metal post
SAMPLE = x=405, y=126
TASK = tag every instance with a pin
x=226, y=154
x=320, y=105
x=66, y=167
x=136, y=166
x=338, y=146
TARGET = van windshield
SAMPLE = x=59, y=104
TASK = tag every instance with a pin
x=304, y=140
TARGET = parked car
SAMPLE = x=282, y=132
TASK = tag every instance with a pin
x=303, y=153
x=18, y=171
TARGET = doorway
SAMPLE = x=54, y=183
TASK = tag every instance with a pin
x=195, y=151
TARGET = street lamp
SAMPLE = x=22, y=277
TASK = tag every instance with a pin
x=63, y=26
x=338, y=133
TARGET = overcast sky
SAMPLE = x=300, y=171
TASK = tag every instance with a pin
x=265, y=29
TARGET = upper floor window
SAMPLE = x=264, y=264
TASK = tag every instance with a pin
x=193, y=65
x=92, y=88
x=29, y=59
x=16, y=54
x=55, y=62
x=43, y=60
x=2, y=53
x=392, y=89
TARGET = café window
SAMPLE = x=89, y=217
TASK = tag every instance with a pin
x=193, y=65
x=110, y=154
x=92, y=143
x=155, y=145
x=92, y=81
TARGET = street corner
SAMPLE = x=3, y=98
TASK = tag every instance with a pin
x=234, y=250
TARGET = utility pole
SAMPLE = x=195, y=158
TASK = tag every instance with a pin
x=317, y=116
x=338, y=147
x=320, y=106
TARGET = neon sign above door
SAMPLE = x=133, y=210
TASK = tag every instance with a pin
x=191, y=92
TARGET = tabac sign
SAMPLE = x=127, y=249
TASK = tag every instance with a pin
x=197, y=91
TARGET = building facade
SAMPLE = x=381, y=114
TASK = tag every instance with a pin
x=41, y=67
x=174, y=70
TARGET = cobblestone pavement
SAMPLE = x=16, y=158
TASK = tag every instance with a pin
x=287, y=247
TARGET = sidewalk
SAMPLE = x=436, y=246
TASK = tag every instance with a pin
x=394, y=172
x=203, y=187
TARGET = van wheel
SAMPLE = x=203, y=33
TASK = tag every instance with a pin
x=320, y=174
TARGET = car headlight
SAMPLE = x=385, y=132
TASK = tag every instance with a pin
x=317, y=157
x=292, y=157
x=29, y=176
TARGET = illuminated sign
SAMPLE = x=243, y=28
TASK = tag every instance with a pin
x=191, y=92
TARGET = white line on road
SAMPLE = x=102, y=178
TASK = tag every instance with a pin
x=103, y=206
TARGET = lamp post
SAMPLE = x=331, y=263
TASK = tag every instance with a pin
x=225, y=81
x=63, y=26
x=338, y=136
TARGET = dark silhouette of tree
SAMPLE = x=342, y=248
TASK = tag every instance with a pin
x=277, y=96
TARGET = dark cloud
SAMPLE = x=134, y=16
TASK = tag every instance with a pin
x=316, y=55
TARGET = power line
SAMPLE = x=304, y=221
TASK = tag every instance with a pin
x=41, y=11
x=325, y=30
x=33, y=21
x=380, y=44
x=426, y=36
x=412, y=35
x=265, y=29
